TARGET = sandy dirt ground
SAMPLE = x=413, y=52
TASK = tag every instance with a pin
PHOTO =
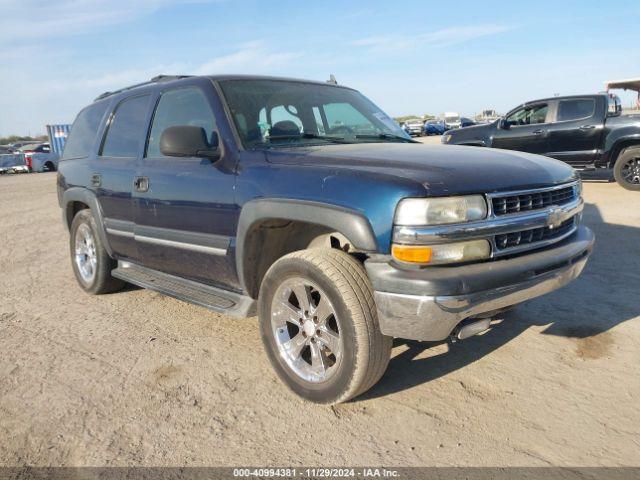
x=137, y=378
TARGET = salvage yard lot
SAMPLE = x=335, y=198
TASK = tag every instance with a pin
x=137, y=378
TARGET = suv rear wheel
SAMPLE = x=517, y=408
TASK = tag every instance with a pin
x=319, y=325
x=91, y=263
x=626, y=170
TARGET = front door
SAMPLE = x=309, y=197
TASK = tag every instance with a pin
x=574, y=136
x=526, y=130
x=186, y=217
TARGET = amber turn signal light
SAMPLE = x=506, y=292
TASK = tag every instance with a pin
x=412, y=253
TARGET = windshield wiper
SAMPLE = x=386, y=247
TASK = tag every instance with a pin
x=388, y=136
x=294, y=136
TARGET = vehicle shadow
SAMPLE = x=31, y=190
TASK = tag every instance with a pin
x=601, y=298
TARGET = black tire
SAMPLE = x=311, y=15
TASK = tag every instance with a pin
x=101, y=281
x=626, y=170
x=365, y=351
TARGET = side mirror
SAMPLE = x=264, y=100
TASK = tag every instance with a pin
x=189, y=141
x=503, y=124
x=616, y=111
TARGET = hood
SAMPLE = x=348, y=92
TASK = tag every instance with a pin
x=474, y=129
x=439, y=169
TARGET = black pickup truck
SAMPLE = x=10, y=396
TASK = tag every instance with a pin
x=586, y=131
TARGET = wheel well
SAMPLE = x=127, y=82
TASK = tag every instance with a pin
x=269, y=240
x=619, y=148
x=72, y=209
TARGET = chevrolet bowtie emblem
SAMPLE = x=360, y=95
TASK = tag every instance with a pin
x=554, y=219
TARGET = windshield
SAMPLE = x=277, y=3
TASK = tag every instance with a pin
x=270, y=113
x=451, y=119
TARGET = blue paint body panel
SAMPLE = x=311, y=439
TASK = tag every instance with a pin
x=201, y=197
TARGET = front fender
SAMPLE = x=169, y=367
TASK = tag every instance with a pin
x=353, y=225
x=616, y=142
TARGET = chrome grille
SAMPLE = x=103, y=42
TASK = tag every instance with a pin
x=533, y=200
x=542, y=234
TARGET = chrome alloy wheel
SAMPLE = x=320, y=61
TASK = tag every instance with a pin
x=85, y=253
x=306, y=330
x=631, y=171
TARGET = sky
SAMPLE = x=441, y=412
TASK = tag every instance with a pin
x=408, y=57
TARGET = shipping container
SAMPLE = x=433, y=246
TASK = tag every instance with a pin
x=57, y=137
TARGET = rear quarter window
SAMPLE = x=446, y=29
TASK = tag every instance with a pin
x=83, y=132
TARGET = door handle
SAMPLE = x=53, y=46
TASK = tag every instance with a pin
x=538, y=132
x=587, y=127
x=141, y=184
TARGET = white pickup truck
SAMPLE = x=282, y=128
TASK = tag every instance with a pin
x=36, y=157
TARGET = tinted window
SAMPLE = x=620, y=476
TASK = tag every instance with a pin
x=84, y=130
x=127, y=128
x=185, y=106
x=529, y=115
x=575, y=109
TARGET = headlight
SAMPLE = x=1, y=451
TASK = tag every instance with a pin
x=440, y=210
x=441, y=254
x=445, y=138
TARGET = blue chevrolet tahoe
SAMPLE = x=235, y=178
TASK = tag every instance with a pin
x=304, y=203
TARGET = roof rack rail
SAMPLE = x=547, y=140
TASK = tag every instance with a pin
x=156, y=79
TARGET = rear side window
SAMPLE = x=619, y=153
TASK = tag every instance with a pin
x=575, y=109
x=127, y=128
x=184, y=106
x=84, y=130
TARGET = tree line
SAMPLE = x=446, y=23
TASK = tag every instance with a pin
x=21, y=138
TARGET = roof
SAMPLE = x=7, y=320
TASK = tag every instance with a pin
x=267, y=77
x=629, y=84
x=563, y=97
x=177, y=78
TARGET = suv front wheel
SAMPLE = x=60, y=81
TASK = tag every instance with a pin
x=319, y=325
x=91, y=263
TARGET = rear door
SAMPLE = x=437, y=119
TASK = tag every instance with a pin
x=528, y=129
x=114, y=170
x=574, y=135
x=186, y=217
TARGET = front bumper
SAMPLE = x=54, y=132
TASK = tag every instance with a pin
x=427, y=304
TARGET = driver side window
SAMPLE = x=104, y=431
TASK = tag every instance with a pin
x=529, y=115
x=183, y=106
